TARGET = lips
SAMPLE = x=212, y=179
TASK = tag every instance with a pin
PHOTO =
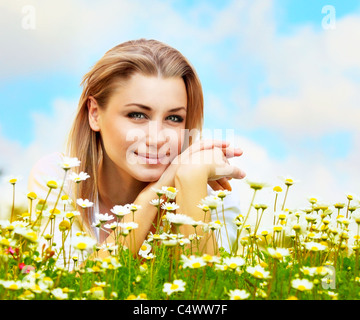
x=150, y=158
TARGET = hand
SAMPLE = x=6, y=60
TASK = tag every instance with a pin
x=221, y=183
x=215, y=161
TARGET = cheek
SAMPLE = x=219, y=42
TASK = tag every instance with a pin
x=115, y=139
x=174, y=144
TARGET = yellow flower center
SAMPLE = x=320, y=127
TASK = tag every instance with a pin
x=5, y=242
x=196, y=265
x=301, y=288
x=207, y=257
x=64, y=225
x=52, y=184
x=32, y=195
x=13, y=287
x=81, y=245
x=54, y=211
x=320, y=269
x=278, y=255
x=143, y=247
x=233, y=265
x=32, y=236
x=258, y=274
x=70, y=215
x=171, y=189
x=174, y=286
x=277, y=189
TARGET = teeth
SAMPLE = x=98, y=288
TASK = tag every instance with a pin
x=149, y=156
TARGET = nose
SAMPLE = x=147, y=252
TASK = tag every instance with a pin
x=155, y=136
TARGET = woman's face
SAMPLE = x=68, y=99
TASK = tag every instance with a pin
x=142, y=127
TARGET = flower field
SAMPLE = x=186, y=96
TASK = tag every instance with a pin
x=308, y=254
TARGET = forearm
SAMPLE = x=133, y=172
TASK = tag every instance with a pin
x=192, y=186
x=144, y=217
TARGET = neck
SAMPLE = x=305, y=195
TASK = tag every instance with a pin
x=116, y=187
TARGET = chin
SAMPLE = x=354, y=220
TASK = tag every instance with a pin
x=149, y=175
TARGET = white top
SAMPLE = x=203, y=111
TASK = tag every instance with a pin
x=48, y=168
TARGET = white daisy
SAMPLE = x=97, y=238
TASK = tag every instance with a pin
x=68, y=163
x=302, y=284
x=179, y=219
x=175, y=286
x=120, y=211
x=170, y=192
x=169, y=206
x=238, y=294
x=84, y=203
x=82, y=176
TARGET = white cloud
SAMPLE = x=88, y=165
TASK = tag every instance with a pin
x=313, y=78
x=50, y=136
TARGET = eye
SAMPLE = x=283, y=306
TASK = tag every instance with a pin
x=175, y=118
x=136, y=115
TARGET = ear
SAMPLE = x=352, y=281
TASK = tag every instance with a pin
x=94, y=111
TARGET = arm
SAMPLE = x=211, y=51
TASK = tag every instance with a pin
x=146, y=216
x=192, y=186
x=191, y=179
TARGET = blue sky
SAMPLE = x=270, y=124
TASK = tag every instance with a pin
x=269, y=71
x=22, y=94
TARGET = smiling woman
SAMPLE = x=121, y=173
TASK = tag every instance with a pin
x=136, y=130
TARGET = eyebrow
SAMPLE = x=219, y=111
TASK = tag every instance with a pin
x=149, y=109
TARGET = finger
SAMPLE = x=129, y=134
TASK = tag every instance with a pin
x=229, y=171
x=232, y=152
x=215, y=185
x=224, y=183
x=237, y=173
x=208, y=144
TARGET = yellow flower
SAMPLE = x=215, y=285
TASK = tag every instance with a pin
x=32, y=195
x=258, y=272
x=175, y=286
x=257, y=185
x=302, y=284
x=96, y=293
x=52, y=184
x=238, y=294
x=64, y=225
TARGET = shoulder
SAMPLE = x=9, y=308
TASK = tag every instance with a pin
x=48, y=165
x=45, y=169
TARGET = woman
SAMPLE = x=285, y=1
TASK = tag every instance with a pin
x=141, y=106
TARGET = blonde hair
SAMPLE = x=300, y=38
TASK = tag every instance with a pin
x=146, y=57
